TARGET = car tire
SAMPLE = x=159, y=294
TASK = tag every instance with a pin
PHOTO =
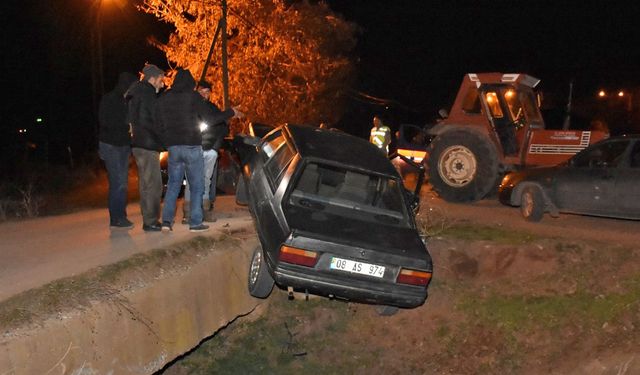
x=260, y=281
x=463, y=166
x=386, y=310
x=532, y=203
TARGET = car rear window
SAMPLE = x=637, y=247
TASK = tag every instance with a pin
x=349, y=193
x=607, y=154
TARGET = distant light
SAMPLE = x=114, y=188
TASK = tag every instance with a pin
x=203, y=126
x=22, y=131
x=602, y=94
x=621, y=93
x=508, y=94
x=39, y=120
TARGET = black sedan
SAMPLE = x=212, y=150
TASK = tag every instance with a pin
x=601, y=180
x=333, y=219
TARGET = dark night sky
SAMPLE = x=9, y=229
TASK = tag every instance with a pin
x=414, y=52
x=417, y=51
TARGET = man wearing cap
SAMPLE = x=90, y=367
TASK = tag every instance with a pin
x=146, y=143
x=212, y=138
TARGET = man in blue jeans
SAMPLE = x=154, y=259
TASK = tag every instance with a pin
x=114, y=148
x=212, y=138
x=179, y=112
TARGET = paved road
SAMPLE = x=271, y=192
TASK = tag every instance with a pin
x=35, y=252
x=492, y=212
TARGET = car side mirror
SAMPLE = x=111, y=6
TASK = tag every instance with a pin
x=443, y=113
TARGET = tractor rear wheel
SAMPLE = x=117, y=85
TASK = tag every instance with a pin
x=463, y=166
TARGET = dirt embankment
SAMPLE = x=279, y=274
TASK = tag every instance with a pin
x=502, y=301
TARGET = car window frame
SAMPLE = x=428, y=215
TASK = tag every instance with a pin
x=275, y=179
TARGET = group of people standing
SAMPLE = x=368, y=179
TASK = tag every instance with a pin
x=135, y=118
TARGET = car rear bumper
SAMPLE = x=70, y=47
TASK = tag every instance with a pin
x=348, y=288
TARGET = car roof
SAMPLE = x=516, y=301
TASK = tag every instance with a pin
x=340, y=147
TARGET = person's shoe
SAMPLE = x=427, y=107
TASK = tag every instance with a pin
x=166, y=227
x=199, y=228
x=156, y=227
x=121, y=224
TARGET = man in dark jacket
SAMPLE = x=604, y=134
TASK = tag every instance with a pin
x=147, y=143
x=179, y=112
x=212, y=138
x=114, y=148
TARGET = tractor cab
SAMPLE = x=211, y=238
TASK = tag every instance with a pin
x=504, y=106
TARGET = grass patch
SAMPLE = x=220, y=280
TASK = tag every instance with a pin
x=514, y=313
x=470, y=232
x=291, y=337
x=102, y=283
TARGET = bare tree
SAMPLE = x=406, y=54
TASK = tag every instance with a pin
x=288, y=61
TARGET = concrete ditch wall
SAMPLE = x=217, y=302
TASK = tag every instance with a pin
x=143, y=329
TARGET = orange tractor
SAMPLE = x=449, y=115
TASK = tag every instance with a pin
x=493, y=127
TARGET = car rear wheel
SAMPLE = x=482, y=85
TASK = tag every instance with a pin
x=532, y=204
x=260, y=281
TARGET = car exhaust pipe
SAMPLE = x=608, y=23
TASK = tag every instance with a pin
x=290, y=293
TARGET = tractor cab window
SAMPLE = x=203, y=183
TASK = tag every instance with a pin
x=531, y=108
x=514, y=104
x=471, y=103
x=493, y=103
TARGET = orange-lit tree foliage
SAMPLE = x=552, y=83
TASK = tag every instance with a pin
x=287, y=62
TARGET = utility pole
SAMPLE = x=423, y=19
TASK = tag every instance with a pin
x=220, y=29
x=225, y=69
x=567, y=119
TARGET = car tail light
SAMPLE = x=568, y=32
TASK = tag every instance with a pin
x=298, y=256
x=413, y=277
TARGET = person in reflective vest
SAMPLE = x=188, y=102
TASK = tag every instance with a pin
x=380, y=135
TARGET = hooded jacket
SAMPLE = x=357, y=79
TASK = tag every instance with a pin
x=112, y=113
x=180, y=111
x=213, y=135
x=142, y=99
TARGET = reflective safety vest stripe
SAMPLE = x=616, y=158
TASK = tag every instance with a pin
x=381, y=136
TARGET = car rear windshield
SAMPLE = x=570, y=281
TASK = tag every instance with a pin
x=352, y=194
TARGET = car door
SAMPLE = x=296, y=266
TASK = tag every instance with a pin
x=628, y=183
x=587, y=184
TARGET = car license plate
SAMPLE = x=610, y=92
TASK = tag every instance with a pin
x=357, y=267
